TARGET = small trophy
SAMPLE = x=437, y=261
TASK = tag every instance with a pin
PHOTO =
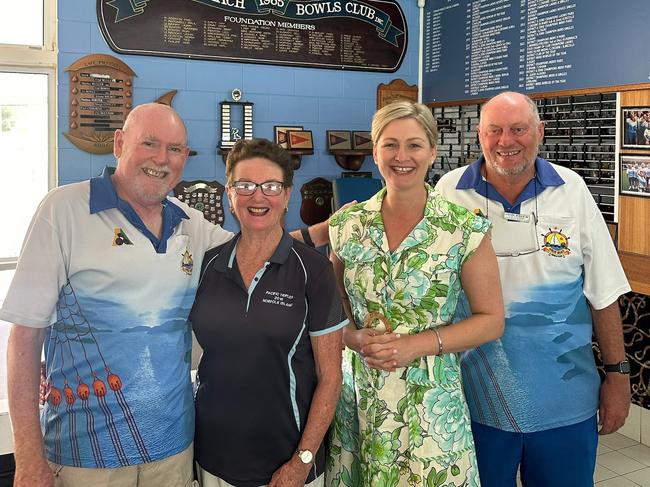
x=229, y=134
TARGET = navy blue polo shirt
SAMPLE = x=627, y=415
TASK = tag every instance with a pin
x=257, y=373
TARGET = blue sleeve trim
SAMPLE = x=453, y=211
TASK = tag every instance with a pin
x=329, y=330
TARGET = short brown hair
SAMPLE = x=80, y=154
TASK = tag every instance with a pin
x=250, y=148
x=405, y=109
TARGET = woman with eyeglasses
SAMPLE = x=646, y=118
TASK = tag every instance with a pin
x=404, y=260
x=266, y=317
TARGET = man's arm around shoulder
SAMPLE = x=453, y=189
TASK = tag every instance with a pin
x=23, y=378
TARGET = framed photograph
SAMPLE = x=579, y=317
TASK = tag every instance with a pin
x=280, y=132
x=635, y=123
x=361, y=140
x=300, y=139
x=339, y=140
x=635, y=175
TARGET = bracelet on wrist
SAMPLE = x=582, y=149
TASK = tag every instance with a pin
x=440, y=348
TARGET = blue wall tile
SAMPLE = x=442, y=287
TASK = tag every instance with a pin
x=74, y=36
x=276, y=80
x=83, y=10
x=196, y=105
x=214, y=76
x=203, y=133
x=327, y=83
x=341, y=111
x=74, y=165
x=294, y=110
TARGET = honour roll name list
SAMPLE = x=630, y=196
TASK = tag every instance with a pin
x=433, y=37
x=179, y=30
x=486, y=46
x=548, y=33
x=218, y=34
x=352, y=50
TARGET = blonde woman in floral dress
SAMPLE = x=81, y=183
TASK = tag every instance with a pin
x=404, y=258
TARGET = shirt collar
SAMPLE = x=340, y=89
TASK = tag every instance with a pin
x=545, y=176
x=545, y=173
x=376, y=228
x=225, y=259
x=102, y=192
x=103, y=196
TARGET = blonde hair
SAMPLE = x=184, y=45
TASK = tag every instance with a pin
x=405, y=109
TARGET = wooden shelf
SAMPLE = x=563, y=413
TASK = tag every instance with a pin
x=348, y=159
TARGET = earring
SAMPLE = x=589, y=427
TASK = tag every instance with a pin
x=286, y=209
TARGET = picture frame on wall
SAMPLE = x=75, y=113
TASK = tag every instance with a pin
x=361, y=140
x=339, y=140
x=300, y=140
x=634, y=176
x=635, y=126
x=280, y=134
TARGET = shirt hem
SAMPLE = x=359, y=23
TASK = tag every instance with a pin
x=68, y=462
x=550, y=426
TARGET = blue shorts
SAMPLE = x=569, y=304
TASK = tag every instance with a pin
x=559, y=457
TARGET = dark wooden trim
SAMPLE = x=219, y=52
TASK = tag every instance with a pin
x=584, y=91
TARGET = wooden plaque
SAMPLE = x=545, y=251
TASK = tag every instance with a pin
x=316, y=204
x=101, y=96
x=394, y=91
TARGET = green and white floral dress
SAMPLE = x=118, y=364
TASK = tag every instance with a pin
x=411, y=426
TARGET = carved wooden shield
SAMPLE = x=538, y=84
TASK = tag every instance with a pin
x=101, y=96
x=316, y=201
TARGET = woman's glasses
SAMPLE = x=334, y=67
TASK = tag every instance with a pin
x=247, y=188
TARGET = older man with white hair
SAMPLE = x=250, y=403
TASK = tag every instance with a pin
x=535, y=395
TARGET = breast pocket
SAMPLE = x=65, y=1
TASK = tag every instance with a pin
x=560, y=237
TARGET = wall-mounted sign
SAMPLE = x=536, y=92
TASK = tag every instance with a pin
x=101, y=96
x=365, y=35
x=474, y=50
x=396, y=90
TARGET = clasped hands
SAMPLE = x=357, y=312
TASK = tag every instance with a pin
x=383, y=351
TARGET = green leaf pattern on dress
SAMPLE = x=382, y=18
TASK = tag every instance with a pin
x=410, y=427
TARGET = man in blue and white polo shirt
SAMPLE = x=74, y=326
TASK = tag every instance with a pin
x=535, y=395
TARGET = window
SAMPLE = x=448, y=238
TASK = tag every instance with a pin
x=27, y=128
x=24, y=143
x=21, y=23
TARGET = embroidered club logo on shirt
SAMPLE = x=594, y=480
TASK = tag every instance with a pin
x=556, y=243
x=278, y=298
x=187, y=264
x=120, y=238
